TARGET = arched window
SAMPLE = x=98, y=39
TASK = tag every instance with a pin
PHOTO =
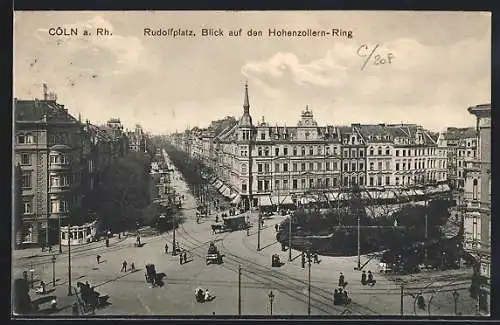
x=303, y=151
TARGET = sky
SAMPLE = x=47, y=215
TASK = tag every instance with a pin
x=440, y=65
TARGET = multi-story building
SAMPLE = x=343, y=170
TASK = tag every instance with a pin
x=269, y=164
x=477, y=194
x=137, y=139
x=47, y=151
x=460, y=146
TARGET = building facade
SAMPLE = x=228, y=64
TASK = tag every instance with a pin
x=47, y=153
x=268, y=164
x=460, y=145
x=137, y=139
x=477, y=194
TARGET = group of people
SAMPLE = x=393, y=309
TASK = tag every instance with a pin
x=203, y=295
x=124, y=267
x=340, y=297
x=367, y=280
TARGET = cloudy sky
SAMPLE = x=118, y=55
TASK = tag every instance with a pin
x=441, y=64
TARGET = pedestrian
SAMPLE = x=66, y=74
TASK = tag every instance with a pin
x=124, y=267
x=132, y=267
x=363, y=278
x=180, y=259
x=138, y=240
x=303, y=260
x=371, y=280
x=107, y=242
x=98, y=258
x=166, y=248
x=342, y=283
x=335, y=297
x=316, y=258
x=185, y=257
x=276, y=227
x=50, y=248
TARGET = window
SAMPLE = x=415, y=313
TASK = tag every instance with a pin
x=311, y=166
x=259, y=152
x=379, y=165
x=474, y=189
x=285, y=151
x=25, y=138
x=387, y=151
x=318, y=166
x=346, y=166
x=303, y=151
x=327, y=165
x=361, y=166
x=55, y=206
x=243, y=187
x=371, y=165
x=277, y=184
x=397, y=166
x=320, y=151
x=371, y=151
x=259, y=168
x=244, y=168
x=294, y=166
x=379, y=180
x=55, y=181
x=371, y=180
x=266, y=168
x=26, y=180
x=311, y=183
x=285, y=184
x=353, y=167
x=285, y=167
x=294, y=184
x=334, y=182
x=277, y=167
x=361, y=180
x=28, y=207
x=303, y=183
x=387, y=165
x=346, y=153
x=353, y=153
x=397, y=153
x=25, y=159
x=276, y=151
x=379, y=151
x=361, y=153
x=295, y=151
x=387, y=180
x=397, y=181
x=334, y=165
x=404, y=166
x=327, y=182
x=266, y=152
x=311, y=151
x=353, y=180
x=303, y=166
x=404, y=153
x=262, y=136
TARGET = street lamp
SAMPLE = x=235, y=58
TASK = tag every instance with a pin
x=69, y=261
x=455, y=299
x=271, y=299
x=32, y=271
x=53, y=270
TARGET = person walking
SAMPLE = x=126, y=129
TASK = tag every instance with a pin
x=180, y=259
x=185, y=257
x=363, y=278
x=166, y=248
x=276, y=227
x=124, y=267
x=98, y=258
x=371, y=280
x=132, y=267
x=342, y=282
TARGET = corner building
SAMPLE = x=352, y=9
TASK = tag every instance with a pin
x=275, y=165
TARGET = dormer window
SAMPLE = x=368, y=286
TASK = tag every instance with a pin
x=25, y=138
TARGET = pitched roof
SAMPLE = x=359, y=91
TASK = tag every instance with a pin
x=34, y=111
x=452, y=133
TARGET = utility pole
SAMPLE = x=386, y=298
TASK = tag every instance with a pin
x=426, y=234
x=258, y=231
x=69, y=261
x=239, y=290
x=309, y=285
x=359, y=243
x=402, y=295
x=290, y=239
x=174, y=249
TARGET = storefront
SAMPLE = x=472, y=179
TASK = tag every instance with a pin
x=79, y=234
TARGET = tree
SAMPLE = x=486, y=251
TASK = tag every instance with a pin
x=123, y=192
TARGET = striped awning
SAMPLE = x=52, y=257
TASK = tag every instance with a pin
x=306, y=200
x=287, y=200
x=226, y=192
x=236, y=200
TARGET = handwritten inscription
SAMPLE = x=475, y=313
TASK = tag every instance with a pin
x=373, y=56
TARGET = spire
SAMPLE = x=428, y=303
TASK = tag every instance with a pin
x=246, y=104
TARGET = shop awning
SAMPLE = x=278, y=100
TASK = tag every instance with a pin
x=226, y=192
x=236, y=200
x=287, y=200
x=222, y=188
x=419, y=192
x=306, y=200
x=265, y=201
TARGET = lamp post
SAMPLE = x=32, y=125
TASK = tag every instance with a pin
x=309, y=284
x=69, y=261
x=53, y=270
x=32, y=271
x=271, y=299
x=455, y=300
x=290, y=239
x=59, y=232
x=174, y=248
x=258, y=231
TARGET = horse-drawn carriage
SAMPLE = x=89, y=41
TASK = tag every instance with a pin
x=213, y=255
x=151, y=275
x=275, y=261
